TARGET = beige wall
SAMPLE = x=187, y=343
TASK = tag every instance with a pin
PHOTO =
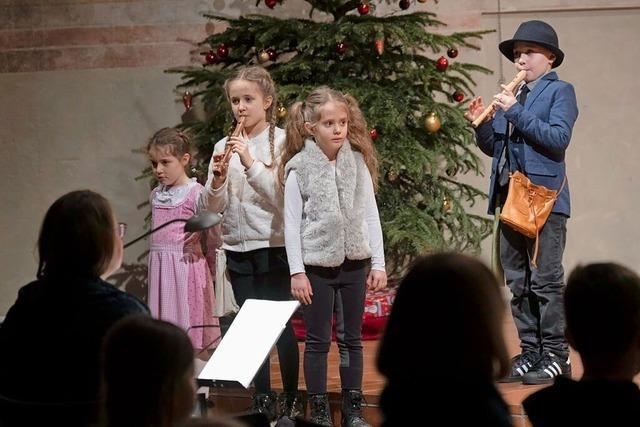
x=75, y=103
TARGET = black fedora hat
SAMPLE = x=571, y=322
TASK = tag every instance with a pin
x=537, y=32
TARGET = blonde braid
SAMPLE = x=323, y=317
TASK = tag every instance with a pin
x=272, y=132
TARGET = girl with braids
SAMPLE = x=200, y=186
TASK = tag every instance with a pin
x=180, y=284
x=333, y=236
x=244, y=189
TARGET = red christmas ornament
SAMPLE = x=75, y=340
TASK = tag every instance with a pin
x=210, y=57
x=452, y=52
x=187, y=100
x=223, y=51
x=373, y=133
x=271, y=3
x=363, y=8
x=442, y=63
x=341, y=48
x=272, y=54
x=404, y=4
x=458, y=95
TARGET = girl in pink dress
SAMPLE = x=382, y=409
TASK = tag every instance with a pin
x=180, y=284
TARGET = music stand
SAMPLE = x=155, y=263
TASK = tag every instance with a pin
x=247, y=343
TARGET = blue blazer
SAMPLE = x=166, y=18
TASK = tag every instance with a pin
x=545, y=124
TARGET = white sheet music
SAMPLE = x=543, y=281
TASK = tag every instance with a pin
x=248, y=341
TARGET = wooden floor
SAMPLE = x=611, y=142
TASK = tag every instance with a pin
x=373, y=383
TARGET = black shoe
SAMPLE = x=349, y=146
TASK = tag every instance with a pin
x=352, y=409
x=320, y=411
x=289, y=407
x=549, y=367
x=520, y=365
x=265, y=403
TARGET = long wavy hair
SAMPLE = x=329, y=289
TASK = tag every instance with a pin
x=309, y=112
x=262, y=78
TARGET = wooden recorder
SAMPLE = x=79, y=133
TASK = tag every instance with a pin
x=510, y=87
x=227, y=148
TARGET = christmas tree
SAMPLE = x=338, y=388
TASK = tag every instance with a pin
x=412, y=95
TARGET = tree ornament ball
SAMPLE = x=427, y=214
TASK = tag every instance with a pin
x=273, y=55
x=341, y=48
x=392, y=175
x=271, y=3
x=363, y=8
x=452, y=52
x=373, y=133
x=458, y=95
x=282, y=112
x=422, y=1
x=379, y=46
x=432, y=122
x=187, y=100
x=404, y=4
x=223, y=50
x=210, y=57
x=263, y=56
x=446, y=205
x=442, y=63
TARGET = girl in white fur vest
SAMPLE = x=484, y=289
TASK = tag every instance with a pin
x=332, y=236
x=244, y=189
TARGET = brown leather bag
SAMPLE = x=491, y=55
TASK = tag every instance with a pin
x=528, y=206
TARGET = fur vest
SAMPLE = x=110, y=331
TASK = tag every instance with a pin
x=333, y=225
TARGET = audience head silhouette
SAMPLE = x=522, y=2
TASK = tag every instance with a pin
x=78, y=238
x=148, y=374
x=67, y=312
x=454, y=302
x=602, y=305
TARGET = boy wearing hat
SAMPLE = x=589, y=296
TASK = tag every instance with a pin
x=530, y=132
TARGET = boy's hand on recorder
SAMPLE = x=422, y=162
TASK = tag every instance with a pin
x=505, y=99
x=377, y=280
x=301, y=288
x=475, y=108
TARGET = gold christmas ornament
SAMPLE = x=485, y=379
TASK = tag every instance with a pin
x=263, y=56
x=446, y=205
x=432, y=122
x=282, y=112
x=422, y=1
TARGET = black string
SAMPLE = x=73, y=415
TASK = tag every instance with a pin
x=206, y=347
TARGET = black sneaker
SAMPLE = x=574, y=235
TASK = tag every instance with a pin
x=549, y=367
x=520, y=365
x=265, y=403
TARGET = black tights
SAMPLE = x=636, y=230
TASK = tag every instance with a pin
x=272, y=285
x=345, y=286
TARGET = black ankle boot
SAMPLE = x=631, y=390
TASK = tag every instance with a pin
x=265, y=403
x=352, y=409
x=289, y=407
x=320, y=411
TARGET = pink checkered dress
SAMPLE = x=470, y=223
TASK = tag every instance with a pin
x=180, y=284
